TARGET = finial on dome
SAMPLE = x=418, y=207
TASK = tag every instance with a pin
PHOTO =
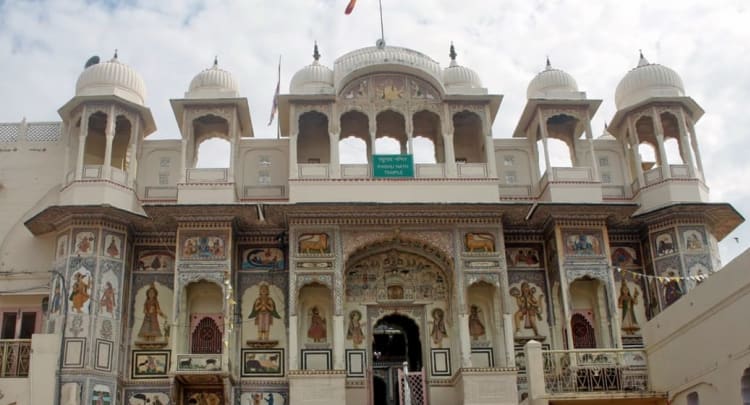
x=115, y=57
x=453, y=53
x=216, y=60
x=316, y=54
x=642, y=61
x=549, y=65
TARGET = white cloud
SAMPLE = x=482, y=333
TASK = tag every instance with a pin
x=43, y=45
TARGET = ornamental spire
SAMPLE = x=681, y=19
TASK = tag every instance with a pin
x=316, y=54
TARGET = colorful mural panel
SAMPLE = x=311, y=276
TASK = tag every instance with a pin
x=154, y=260
x=524, y=256
x=264, y=258
x=583, y=243
x=203, y=246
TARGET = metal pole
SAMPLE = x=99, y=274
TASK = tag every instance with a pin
x=382, y=33
x=58, y=382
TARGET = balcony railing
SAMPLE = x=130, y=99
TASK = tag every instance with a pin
x=593, y=370
x=14, y=358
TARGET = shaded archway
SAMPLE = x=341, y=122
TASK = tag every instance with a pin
x=395, y=341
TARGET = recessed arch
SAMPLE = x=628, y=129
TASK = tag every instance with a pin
x=468, y=139
x=313, y=140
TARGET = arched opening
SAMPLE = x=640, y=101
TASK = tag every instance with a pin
x=672, y=149
x=559, y=153
x=588, y=301
x=213, y=154
x=584, y=335
x=313, y=141
x=745, y=386
x=693, y=398
x=648, y=156
x=204, y=303
x=395, y=341
x=391, y=124
x=121, y=143
x=211, y=147
x=354, y=143
x=387, y=146
x=96, y=140
x=646, y=133
x=427, y=139
x=468, y=140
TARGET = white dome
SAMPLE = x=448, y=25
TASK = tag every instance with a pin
x=213, y=83
x=369, y=59
x=457, y=77
x=552, y=83
x=312, y=79
x=645, y=81
x=112, y=78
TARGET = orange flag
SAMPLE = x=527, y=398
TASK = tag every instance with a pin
x=350, y=7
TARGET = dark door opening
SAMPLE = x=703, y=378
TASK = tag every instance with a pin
x=395, y=340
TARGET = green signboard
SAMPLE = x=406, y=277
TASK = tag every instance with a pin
x=392, y=166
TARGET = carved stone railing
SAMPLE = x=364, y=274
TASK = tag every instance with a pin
x=595, y=370
x=207, y=175
x=474, y=170
x=653, y=176
x=96, y=172
x=15, y=356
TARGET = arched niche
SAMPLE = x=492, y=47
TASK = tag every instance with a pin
x=588, y=300
x=391, y=124
x=468, y=138
x=121, y=143
x=96, y=141
x=427, y=139
x=315, y=315
x=152, y=315
x=313, y=141
x=206, y=128
x=204, y=317
x=354, y=139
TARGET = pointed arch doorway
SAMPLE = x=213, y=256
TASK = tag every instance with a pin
x=395, y=341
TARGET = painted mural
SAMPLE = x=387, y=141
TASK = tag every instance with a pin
x=148, y=398
x=309, y=243
x=671, y=287
x=268, y=258
x=56, y=298
x=477, y=331
x=629, y=303
x=354, y=330
x=204, y=397
x=528, y=294
x=526, y=256
x=395, y=275
x=151, y=314
x=625, y=256
x=664, y=243
x=112, y=246
x=62, y=247
x=108, y=294
x=263, y=398
x=317, y=331
x=203, y=247
x=438, y=332
x=693, y=239
x=101, y=395
x=479, y=242
x=698, y=268
x=265, y=306
x=155, y=260
x=583, y=243
x=85, y=244
x=80, y=291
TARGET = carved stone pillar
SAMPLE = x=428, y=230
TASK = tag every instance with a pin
x=82, y=143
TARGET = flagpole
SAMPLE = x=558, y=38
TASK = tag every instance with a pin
x=382, y=32
x=278, y=120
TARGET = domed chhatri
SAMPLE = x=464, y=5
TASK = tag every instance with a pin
x=213, y=83
x=112, y=78
x=457, y=78
x=552, y=83
x=312, y=79
x=645, y=81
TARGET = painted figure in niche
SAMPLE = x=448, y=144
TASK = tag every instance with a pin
x=523, y=257
x=672, y=290
x=627, y=302
x=85, y=243
x=56, y=299
x=113, y=249
x=583, y=244
x=438, y=326
x=529, y=307
x=107, y=300
x=354, y=333
x=61, y=245
x=189, y=249
x=79, y=291
x=664, y=244
x=264, y=310
x=693, y=240
x=317, y=329
x=150, y=329
x=623, y=256
x=484, y=242
x=476, y=328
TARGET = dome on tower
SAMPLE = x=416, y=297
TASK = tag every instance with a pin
x=645, y=81
x=552, y=83
x=213, y=83
x=111, y=78
x=458, y=78
x=312, y=79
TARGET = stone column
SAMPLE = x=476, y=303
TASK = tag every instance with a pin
x=636, y=153
x=339, y=343
x=510, y=351
x=535, y=370
x=663, y=161
x=450, y=156
x=545, y=136
x=694, y=143
x=590, y=140
x=110, y=137
x=82, y=143
x=685, y=145
x=293, y=344
x=135, y=135
x=293, y=168
x=233, y=137
x=465, y=340
x=186, y=138
x=335, y=166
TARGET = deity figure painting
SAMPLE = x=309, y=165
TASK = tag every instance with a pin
x=529, y=307
x=672, y=289
x=693, y=240
x=150, y=328
x=581, y=244
x=354, y=332
x=80, y=295
x=113, y=247
x=107, y=299
x=263, y=312
x=439, y=330
x=317, y=329
x=476, y=327
x=203, y=247
x=62, y=247
x=85, y=244
x=627, y=302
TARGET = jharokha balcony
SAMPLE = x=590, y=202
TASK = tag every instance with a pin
x=15, y=356
x=617, y=375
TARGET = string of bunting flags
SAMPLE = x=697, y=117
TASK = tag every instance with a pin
x=662, y=279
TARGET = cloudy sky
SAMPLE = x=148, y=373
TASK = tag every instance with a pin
x=44, y=44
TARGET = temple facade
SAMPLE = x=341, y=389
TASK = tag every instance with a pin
x=385, y=245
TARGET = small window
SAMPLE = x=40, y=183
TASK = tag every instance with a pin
x=510, y=178
x=264, y=161
x=606, y=178
x=18, y=324
x=163, y=179
x=164, y=162
x=460, y=160
x=692, y=399
x=508, y=160
x=603, y=161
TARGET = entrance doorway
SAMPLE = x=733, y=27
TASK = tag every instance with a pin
x=395, y=340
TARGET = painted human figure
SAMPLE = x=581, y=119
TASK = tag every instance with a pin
x=150, y=329
x=354, y=333
x=627, y=302
x=112, y=249
x=438, y=326
x=672, y=290
x=317, y=329
x=476, y=328
x=79, y=292
x=56, y=300
x=264, y=310
x=269, y=399
x=84, y=244
x=529, y=308
x=107, y=300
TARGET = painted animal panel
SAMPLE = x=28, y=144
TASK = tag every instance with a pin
x=479, y=242
x=664, y=244
x=262, y=259
x=314, y=243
